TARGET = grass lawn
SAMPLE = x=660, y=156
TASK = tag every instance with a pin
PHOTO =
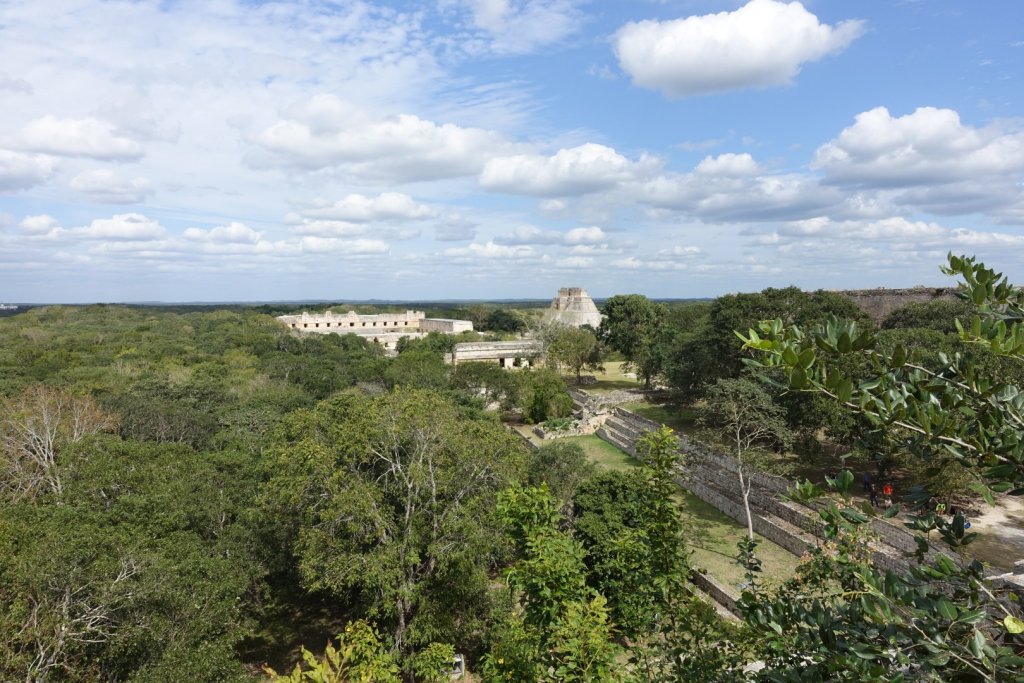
x=679, y=419
x=612, y=379
x=712, y=535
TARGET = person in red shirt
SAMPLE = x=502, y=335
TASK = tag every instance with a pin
x=887, y=490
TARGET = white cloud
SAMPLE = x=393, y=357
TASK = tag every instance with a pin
x=764, y=43
x=591, y=235
x=575, y=262
x=329, y=132
x=580, y=170
x=928, y=146
x=233, y=232
x=39, y=225
x=87, y=137
x=124, y=226
x=492, y=250
x=521, y=26
x=531, y=234
x=330, y=244
x=103, y=185
x=385, y=206
x=20, y=171
x=729, y=165
x=327, y=228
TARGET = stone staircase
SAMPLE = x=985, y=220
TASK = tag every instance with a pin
x=712, y=476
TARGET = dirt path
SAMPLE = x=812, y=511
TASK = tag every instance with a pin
x=1000, y=531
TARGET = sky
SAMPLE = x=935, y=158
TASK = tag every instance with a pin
x=228, y=150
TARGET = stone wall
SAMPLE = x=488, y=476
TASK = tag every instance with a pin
x=878, y=303
x=712, y=476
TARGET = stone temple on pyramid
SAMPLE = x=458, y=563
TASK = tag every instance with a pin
x=573, y=307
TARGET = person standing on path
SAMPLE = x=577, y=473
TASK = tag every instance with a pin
x=872, y=495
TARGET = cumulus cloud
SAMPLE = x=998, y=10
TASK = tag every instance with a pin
x=764, y=43
x=928, y=146
x=87, y=137
x=103, y=185
x=39, y=225
x=123, y=226
x=729, y=165
x=385, y=206
x=531, y=234
x=19, y=171
x=590, y=235
x=578, y=170
x=329, y=132
x=233, y=232
x=735, y=198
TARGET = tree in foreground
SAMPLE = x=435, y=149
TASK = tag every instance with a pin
x=842, y=618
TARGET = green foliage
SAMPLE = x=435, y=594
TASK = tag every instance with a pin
x=560, y=465
x=631, y=327
x=842, y=618
x=503, y=320
x=575, y=348
x=543, y=396
x=391, y=499
x=950, y=412
x=563, y=632
x=939, y=315
x=359, y=658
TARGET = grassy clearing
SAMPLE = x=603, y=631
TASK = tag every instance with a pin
x=712, y=535
x=680, y=419
x=612, y=379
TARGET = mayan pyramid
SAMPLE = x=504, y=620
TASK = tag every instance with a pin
x=573, y=307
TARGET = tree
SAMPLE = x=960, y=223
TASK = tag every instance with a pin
x=563, y=632
x=575, y=348
x=543, y=395
x=359, y=658
x=562, y=466
x=748, y=417
x=35, y=429
x=392, y=500
x=630, y=326
x=944, y=621
x=504, y=320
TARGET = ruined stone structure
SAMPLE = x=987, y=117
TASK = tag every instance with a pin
x=711, y=476
x=509, y=354
x=573, y=307
x=383, y=328
x=880, y=302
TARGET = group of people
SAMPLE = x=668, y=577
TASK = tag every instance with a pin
x=872, y=492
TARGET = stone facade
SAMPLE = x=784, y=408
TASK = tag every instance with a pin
x=382, y=328
x=878, y=303
x=519, y=354
x=573, y=307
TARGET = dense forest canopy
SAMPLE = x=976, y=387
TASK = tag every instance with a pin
x=193, y=494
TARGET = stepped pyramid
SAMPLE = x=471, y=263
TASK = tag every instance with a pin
x=573, y=307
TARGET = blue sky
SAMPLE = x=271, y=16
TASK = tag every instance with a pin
x=227, y=150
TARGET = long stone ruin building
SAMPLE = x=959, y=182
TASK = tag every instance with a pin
x=383, y=328
x=509, y=354
x=573, y=307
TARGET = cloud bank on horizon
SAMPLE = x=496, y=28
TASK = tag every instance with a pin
x=502, y=148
